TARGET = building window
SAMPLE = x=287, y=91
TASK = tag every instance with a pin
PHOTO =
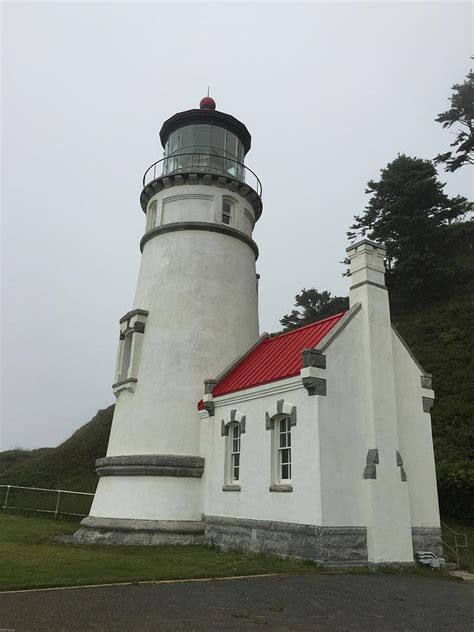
x=233, y=431
x=280, y=420
x=132, y=328
x=227, y=208
x=234, y=443
x=124, y=363
x=284, y=450
x=151, y=215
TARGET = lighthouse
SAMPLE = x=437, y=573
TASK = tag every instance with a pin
x=195, y=311
x=313, y=443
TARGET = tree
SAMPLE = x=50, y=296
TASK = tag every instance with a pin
x=460, y=113
x=313, y=306
x=410, y=214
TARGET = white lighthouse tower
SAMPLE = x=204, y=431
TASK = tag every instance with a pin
x=195, y=311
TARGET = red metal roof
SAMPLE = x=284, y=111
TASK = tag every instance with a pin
x=275, y=358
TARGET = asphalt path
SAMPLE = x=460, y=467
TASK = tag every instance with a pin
x=297, y=602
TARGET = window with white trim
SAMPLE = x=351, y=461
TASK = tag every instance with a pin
x=283, y=450
x=232, y=430
x=280, y=420
x=234, y=461
x=227, y=211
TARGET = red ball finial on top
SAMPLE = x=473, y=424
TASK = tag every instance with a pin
x=207, y=103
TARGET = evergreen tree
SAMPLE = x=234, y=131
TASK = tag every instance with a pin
x=313, y=306
x=410, y=214
x=461, y=113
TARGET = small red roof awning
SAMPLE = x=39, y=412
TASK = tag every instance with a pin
x=275, y=358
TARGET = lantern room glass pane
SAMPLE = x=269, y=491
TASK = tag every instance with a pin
x=173, y=142
x=218, y=138
x=203, y=135
x=231, y=144
x=186, y=140
x=240, y=151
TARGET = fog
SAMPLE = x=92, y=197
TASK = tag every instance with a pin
x=331, y=92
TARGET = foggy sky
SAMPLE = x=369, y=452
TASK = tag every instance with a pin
x=329, y=92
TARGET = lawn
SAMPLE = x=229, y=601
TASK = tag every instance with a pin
x=30, y=558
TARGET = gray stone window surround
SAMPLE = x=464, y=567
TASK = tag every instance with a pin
x=132, y=328
x=236, y=419
x=280, y=411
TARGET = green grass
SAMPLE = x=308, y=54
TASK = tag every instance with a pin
x=30, y=558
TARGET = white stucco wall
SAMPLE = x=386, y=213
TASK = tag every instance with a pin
x=343, y=432
x=416, y=444
x=201, y=203
x=255, y=501
x=199, y=288
x=147, y=498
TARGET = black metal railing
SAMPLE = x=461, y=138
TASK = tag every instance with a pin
x=191, y=162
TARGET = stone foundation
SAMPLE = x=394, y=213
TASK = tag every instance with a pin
x=143, y=532
x=331, y=546
x=427, y=539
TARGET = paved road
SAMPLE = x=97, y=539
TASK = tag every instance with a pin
x=298, y=602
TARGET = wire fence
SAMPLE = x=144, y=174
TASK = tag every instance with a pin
x=57, y=502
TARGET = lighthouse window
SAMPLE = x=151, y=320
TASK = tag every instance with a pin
x=227, y=212
x=126, y=355
x=132, y=328
x=151, y=215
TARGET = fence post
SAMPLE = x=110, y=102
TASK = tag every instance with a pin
x=6, y=499
x=57, y=504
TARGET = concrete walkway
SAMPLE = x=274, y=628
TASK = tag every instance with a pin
x=297, y=602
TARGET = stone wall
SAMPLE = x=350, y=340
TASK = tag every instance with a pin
x=324, y=545
x=427, y=539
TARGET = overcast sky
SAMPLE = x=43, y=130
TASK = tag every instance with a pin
x=330, y=92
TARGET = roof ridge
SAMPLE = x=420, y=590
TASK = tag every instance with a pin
x=316, y=322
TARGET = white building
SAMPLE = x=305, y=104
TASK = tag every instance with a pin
x=313, y=444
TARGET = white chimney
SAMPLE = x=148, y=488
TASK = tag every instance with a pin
x=389, y=523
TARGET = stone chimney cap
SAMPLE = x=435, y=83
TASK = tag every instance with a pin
x=365, y=241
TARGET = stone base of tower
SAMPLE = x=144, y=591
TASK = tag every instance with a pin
x=139, y=532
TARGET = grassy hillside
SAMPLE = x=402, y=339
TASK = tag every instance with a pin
x=69, y=466
x=11, y=458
